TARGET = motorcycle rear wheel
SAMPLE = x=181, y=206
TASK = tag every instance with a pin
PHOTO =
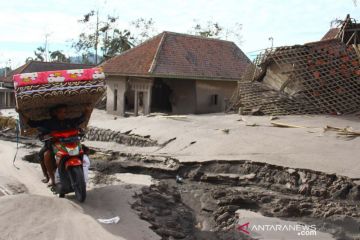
x=78, y=182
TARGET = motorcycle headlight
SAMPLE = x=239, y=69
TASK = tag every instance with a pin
x=73, y=151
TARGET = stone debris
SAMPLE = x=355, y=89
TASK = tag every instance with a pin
x=107, y=135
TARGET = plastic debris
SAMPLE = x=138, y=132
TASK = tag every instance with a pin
x=179, y=179
x=113, y=220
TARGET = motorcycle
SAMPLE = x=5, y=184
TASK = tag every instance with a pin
x=68, y=155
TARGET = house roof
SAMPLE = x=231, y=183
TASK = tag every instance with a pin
x=37, y=66
x=331, y=34
x=347, y=31
x=176, y=55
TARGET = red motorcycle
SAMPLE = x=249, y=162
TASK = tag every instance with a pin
x=68, y=155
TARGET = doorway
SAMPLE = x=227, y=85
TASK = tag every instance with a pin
x=161, y=95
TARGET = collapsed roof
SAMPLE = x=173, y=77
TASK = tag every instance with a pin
x=318, y=77
x=348, y=31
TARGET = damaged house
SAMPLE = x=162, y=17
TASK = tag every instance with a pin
x=314, y=78
x=174, y=73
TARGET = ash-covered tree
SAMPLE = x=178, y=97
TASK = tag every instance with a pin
x=102, y=35
x=143, y=29
x=212, y=29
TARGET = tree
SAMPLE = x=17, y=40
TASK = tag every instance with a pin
x=215, y=30
x=55, y=56
x=104, y=35
x=88, y=41
x=28, y=59
x=4, y=71
x=40, y=54
x=58, y=56
x=117, y=43
x=211, y=29
x=235, y=33
x=143, y=29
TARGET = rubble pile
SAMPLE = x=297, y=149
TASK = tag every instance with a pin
x=317, y=77
x=107, y=135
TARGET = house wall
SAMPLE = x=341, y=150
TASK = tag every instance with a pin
x=119, y=85
x=138, y=91
x=142, y=88
x=187, y=97
x=205, y=92
x=183, y=96
x=7, y=98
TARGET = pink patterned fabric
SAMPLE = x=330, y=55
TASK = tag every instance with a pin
x=38, y=78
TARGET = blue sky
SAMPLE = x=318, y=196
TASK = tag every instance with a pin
x=24, y=24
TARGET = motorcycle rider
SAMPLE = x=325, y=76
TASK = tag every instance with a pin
x=57, y=122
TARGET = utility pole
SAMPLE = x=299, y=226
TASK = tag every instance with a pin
x=97, y=37
x=272, y=41
x=46, y=46
x=8, y=63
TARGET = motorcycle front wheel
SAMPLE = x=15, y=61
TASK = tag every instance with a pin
x=78, y=182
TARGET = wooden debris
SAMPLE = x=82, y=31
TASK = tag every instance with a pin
x=271, y=118
x=176, y=117
x=345, y=132
x=286, y=125
x=252, y=125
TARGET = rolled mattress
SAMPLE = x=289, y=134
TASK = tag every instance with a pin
x=37, y=92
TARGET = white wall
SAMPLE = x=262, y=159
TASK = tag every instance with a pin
x=120, y=84
x=205, y=90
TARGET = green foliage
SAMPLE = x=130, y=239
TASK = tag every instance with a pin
x=39, y=54
x=119, y=42
x=29, y=59
x=103, y=35
x=58, y=56
x=55, y=56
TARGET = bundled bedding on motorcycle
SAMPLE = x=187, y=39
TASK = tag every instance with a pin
x=37, y=92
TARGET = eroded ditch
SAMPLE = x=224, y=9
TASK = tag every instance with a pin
x=203, y=204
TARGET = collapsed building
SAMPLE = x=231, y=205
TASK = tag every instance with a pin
x=314, y=78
